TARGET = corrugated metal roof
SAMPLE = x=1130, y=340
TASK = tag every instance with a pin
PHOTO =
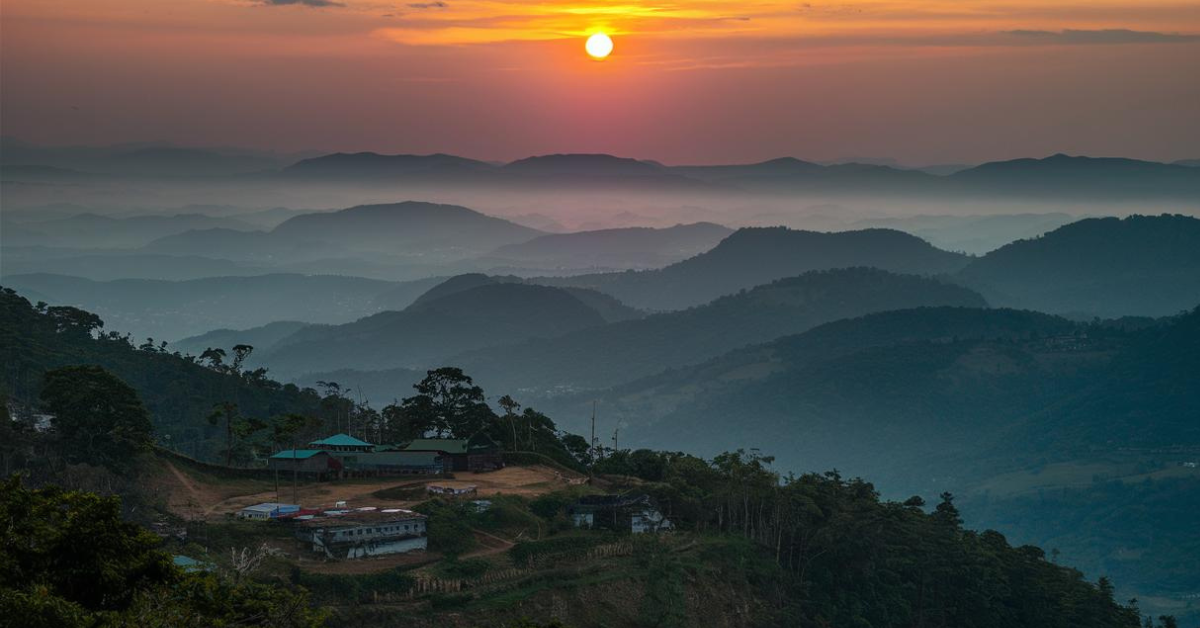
x=342, y=440
x=450, y=446
x=269, y=507
x=298, y=454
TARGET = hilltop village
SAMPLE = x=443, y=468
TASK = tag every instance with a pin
x=343, y=530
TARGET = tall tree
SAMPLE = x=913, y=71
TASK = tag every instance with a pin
x=227, y=413
x=450, y=402
x=98, y=419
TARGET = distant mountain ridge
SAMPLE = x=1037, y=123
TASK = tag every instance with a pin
x=632, y=247
x=1140, y=265
x=599, y=357
x=1056, y=176
x=423, y=231
x=471, y=313
x=753, y=256
x=373, y=165
x=171, y=310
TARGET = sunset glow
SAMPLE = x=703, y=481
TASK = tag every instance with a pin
x=450, y=75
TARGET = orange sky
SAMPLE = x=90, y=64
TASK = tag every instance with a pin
x=690, y=81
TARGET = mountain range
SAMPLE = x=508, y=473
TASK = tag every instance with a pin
x=927, y=398
x=171, y=310
x=755, y=256
x=620, y=249
x=1058, y=176
x=1108, y=267
x=432, y=329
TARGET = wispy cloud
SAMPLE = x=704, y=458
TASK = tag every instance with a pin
x=1106, y=36
x=307, y=3
x=429, y=5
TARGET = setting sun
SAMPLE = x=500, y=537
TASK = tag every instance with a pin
x=599, y=46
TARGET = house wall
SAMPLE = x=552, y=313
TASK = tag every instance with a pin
x=313, y=464
x=381, y=548
x=368, y=539
x=485, y=462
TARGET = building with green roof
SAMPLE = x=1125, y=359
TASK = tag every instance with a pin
x=307, y=461
x=478, y=453
x=343, y=443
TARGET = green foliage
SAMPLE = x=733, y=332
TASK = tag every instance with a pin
x=854, y=560
x=466, y=569
x=1140, y=534
x=528, y=552
x=448, y=529
x=357, y=588
x=67, y=559
x=447, y=403
x=178, y=392
x=98, y=419
x=665, y=603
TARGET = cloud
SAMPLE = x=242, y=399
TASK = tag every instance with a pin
x=1108, y=36
x=307, y=3
x=429, y=5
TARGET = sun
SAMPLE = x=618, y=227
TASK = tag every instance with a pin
x=599, y=46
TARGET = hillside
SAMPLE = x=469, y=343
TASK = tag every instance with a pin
x=409, y=232
x=598, y=165
x=96, y=231
x=755, y=256
x=621, y=249
x=929, y=399
x=605, y=356
x=179, y=394
x=261, y=338
x=170, y=310
x=109, y=266
x=368, y=165
x=406, y=228
x=609, y=308
x=429, y=331
x=1065, y=175
x=1108, y=267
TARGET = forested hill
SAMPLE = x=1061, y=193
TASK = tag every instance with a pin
x=600, y=357
x=929, y=398
x=754, y=256
x=179, y=393
x=1140, y=265
x=428, y=332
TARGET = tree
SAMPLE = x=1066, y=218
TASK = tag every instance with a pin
x=510, y=407
x=946, y=512
x=67, y=560
x=98, y=419
x=215, y=358
x=234, y=426
x=74, y=321
x=449, y=402
x=240, y=353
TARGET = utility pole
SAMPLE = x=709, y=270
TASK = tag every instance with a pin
x=616, y=433
x=592, y=443
x=294, y=498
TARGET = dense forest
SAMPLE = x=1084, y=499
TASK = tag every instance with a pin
x=179, y=391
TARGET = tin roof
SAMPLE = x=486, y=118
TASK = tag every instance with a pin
x=269, y=507
x=300, y=454
x=450, y=446
x=359, y=518
x=342, y=440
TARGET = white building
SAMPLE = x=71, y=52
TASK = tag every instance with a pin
x=359, y=534
x=266, y=510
